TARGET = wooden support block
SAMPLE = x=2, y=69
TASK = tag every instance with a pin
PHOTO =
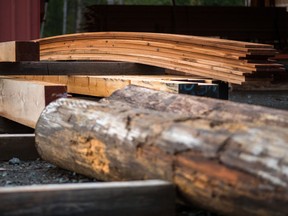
x=133, y=198
x=76, y=68
x=21, y=146
x=23, y=101
x=15, y=51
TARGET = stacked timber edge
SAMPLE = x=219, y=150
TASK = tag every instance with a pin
x=228, y=165
x=230, y=61
x=16, y=51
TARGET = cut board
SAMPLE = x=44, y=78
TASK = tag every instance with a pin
x=23, y=101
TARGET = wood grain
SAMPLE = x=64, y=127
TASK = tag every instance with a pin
x=23, y=101
x=104, y=86
x=215, y=58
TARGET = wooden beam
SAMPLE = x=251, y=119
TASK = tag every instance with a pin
x=15, y=51
x=232, y=167
x=21, y=146
x=77, y=68
x=23, y=101
x=104, y=86
x=139, y=198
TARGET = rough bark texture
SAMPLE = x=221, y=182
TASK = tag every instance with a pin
x=213, y=109
x=230, y=167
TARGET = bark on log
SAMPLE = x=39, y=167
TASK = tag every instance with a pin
x=230, y=167
x=209, y=108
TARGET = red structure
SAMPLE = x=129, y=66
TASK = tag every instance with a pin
x=19, y=20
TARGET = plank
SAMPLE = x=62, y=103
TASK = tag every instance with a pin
x=141, y=198
x=23, y=101
x=104, y=86
x=15, y=51
x=21, y=146
x=76, y=68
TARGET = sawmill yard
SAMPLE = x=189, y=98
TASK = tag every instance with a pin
x=137, y=115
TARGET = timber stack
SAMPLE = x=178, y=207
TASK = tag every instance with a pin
x=230, y=61
x=228, y=165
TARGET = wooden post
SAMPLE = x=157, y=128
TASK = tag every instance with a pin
x=235, y=168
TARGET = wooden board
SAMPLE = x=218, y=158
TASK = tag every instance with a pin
x=15, y=51
x=104, y=86
x=21, y=146
x=133, y=198
x=77, y=68
x=23, y=101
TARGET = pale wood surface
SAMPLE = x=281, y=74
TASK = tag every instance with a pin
x=23, y=101
x=233, y=167
x=139, y=198
x=15, y=51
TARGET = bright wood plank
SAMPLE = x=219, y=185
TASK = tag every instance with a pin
x=23, y=101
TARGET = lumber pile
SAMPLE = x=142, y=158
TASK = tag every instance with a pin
x=235, y=166
x=231, y=61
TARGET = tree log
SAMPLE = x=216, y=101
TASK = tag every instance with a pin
x=213, y=109
x=229, y=167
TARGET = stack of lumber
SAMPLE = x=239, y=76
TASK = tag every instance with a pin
x=231, y=61
x=232, y=160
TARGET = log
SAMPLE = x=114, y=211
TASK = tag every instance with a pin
x=213, y=109
x=139, y=198
x=15, y=51
x=229, y=167
x=23, y=101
